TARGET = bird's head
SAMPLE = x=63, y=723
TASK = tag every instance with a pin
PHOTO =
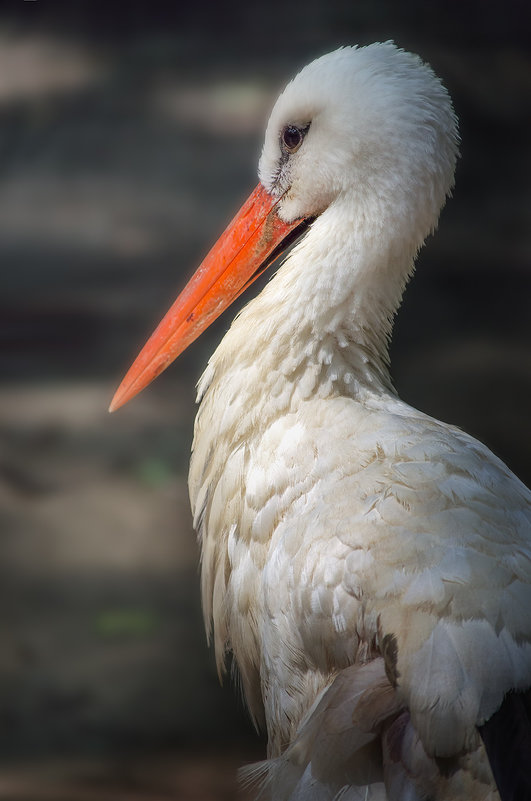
x=370, y=130
x=372, y=127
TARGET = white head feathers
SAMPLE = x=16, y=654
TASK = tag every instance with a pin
x=379, y=130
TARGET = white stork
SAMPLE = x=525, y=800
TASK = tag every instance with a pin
x=368, y=567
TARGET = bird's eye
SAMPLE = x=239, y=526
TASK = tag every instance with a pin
x=291, y=137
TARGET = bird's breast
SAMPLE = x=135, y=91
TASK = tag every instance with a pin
x=274, y=507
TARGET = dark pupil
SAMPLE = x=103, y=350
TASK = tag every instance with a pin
x=292, y=137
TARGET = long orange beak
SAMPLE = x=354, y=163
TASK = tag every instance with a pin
x=254, y=238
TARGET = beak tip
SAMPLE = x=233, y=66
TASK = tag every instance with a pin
x=119, y=399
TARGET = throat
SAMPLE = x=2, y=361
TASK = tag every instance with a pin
x=322, y=326
x=275, y=356
x=339, y=327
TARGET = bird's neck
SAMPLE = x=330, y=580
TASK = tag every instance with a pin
x=322, y=325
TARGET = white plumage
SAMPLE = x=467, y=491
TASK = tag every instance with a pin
x=368, y=566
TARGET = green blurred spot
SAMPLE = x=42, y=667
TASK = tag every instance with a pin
x=154, y=472
x=128, y=622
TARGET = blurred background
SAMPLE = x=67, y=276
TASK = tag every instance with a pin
x=129, y=135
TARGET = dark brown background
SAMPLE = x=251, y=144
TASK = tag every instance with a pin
x=129, y=135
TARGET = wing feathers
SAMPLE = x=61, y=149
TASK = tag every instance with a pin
x=336, y=753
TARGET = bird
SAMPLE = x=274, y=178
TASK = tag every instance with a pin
x=365, y=568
